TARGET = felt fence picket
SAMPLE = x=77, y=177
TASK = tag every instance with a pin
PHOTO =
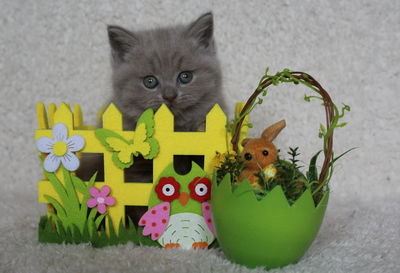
x=205, y=143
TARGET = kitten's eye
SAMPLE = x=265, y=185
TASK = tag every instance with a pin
x=185, y=77
x=150, y=82
x=265, y=152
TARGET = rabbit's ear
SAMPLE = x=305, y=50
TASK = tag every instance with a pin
x=244, y=141
x=273, y=131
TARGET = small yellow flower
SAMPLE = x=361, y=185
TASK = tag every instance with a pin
x=219, y=158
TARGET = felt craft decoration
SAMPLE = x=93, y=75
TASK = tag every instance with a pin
x=96, y=211
x=260, y=154
x=271, y=227
x=60, y=149
x=124, y=150
x=179, y=212
x=100, y=199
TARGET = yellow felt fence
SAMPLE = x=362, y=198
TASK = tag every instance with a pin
x=171, y=143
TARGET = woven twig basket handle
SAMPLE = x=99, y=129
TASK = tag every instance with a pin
x=329, y=111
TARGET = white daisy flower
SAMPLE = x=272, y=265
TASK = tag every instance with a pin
x=60, y=148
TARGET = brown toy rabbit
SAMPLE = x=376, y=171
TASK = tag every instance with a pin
x=260, y=153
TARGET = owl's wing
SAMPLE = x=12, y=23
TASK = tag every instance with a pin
x=155, y=220
x=206, y=207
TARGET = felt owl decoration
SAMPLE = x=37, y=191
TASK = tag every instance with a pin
x=179, y=213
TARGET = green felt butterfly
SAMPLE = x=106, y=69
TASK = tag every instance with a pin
x=124, y=150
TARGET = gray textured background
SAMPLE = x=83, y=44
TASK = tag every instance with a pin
x=54, y=51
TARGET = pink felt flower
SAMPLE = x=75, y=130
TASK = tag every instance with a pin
x=100, y=199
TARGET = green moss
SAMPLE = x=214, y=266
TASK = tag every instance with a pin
x=232, y=164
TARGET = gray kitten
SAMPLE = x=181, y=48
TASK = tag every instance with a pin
x=177, y=66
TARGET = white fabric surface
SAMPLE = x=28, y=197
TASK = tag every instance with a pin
x=54, y=51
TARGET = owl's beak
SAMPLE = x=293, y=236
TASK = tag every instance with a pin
x=183, y=198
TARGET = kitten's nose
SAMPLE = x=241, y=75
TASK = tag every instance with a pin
x=169, y=95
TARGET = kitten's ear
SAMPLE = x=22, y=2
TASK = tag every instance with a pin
x=202, y=30
x=121, y=41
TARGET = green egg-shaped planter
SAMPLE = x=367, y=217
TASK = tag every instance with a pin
x=269, y=232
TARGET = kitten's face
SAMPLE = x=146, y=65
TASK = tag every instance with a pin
x=175, y=66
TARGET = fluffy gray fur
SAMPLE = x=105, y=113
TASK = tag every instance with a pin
x=164, y=53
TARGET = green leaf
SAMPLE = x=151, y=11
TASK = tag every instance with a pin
x=91, y=227
x=85, y=234
x=113, y=236
x=76, y=234
x=58, y=187
x=73, y=204
x=79, y=184
x=86, y=194
x=91, y=181
x=56, y=220
x=92, y=213
x=61, y=229
x=47, y=234
x=101, y=240
x=133, y=231
x=59, y=208
x=338, y=157
x=123, y=235
x=69, y=237
x=322, y=131
x=99, y=219
x=344, y=108
x=312, y=174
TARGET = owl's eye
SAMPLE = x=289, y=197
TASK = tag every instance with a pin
x=167, y=189
x=200, y=189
